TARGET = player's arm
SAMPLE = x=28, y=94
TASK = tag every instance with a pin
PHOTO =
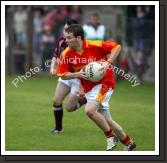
x=69, y=75
x=112, y=49
x=114, y=53
x=53, y=66
x=65, y=70
x=56, y=56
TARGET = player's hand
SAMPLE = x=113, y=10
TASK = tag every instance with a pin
x=53, y=71
x=104, y=67
x=82, y=74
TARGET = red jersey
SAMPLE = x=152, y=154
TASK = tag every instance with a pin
x=73, y=61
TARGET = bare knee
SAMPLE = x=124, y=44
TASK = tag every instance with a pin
x=57, y=101
x=71, y=103
x=70, y=107
x=90, y=112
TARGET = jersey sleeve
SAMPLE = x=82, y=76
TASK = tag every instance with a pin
x=63, y=65
x=105, y=45
x=109, y=45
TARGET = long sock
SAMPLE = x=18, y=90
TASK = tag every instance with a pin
x=126, y=141
x=58, y=115
x=109, y=133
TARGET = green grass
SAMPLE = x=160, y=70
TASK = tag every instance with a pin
x=29, y=118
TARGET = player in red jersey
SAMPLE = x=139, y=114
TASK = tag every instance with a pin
x=73, y=60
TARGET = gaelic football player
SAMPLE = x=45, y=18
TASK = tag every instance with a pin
x=99, y=93
x=64, y=87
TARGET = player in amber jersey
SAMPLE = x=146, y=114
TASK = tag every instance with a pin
x=73, y=60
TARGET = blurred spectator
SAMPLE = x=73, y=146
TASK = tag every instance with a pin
x=150, y=16
x=94, y=30
x=76, y=13
x=51, y=18
x=47, y=45
x=38, y=29
x=56, y=18
x=150, y=12
x=45, y=8
x=62, y=17
x=20, y=26
x=140, y=35
x=62, y=14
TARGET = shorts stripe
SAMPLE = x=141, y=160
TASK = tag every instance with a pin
x=102, y=93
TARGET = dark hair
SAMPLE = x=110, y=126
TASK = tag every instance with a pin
x=39, y=10
x=95, y=14
x=71, y=21
x=76, y=29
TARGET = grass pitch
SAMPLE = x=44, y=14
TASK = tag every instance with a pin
x=29, y=118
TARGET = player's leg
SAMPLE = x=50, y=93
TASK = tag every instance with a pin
x=74, y=101
x=124, y=138
x=61, y=91
x=91, y=111
x=115, y=126
x=71, y=102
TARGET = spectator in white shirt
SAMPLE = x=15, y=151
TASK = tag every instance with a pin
x=94, y=30
x=38, y=29
x=20, y=26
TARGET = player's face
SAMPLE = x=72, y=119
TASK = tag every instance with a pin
x=94, y=20
x=71, y=41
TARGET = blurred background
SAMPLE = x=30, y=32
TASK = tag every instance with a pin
x=31, y=33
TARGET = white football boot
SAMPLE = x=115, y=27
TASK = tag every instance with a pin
x=111, y=143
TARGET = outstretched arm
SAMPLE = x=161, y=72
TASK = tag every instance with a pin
x=53, y=67
x=114, y=53
x=110, y=58
x=69, y=75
